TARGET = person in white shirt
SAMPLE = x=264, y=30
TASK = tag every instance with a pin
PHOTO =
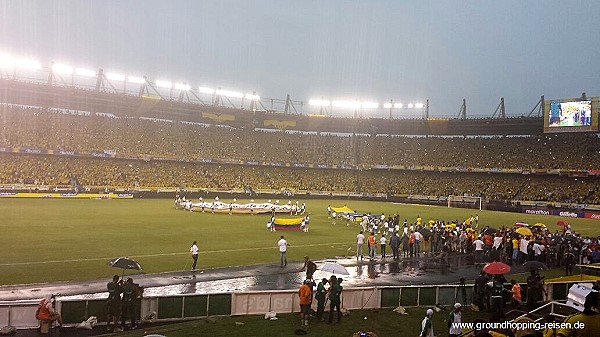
x=497, y=242
x=537, y=251
x=426, y=325
x=523, y=250
x=455, y=317
x=194, y=251
x=418, y=238
x=478, y=250
x=282, y=243
x=360, y=239
x=382, y=243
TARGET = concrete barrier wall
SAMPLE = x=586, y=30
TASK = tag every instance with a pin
x=21, y=314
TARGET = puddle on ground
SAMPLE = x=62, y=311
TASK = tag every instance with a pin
x=387, y=272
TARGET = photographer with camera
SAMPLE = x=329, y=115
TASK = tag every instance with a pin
x=130, y=294
x=113, y=303
x=46, y=311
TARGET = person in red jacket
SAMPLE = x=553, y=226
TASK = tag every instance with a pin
x=46, y=312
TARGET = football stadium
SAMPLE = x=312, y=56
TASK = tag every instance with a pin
x=221, y=212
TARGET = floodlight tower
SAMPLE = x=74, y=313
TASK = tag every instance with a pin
x=539, y=106
x=500, y=110
x=462, y=114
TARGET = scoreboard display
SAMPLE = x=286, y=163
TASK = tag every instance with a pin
x=571, y=115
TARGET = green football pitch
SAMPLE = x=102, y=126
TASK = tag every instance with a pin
x=48, y=240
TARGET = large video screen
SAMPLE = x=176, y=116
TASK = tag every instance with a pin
x=571, y=115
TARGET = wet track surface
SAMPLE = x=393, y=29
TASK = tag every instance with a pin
x=381, y=272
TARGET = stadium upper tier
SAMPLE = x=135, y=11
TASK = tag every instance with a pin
x=147, y=138
x=146, y=105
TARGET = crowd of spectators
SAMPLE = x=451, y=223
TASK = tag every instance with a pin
x=36, y=127
x=185, y=144
x=52, y=170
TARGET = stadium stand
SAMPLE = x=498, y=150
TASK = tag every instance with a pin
x=60, y=146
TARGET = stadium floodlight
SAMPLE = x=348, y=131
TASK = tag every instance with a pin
x=419, y=105
x=228, y=93
x=6, y=61
x=85, y=72
x=319, y=102
x=181, y=86
x=346, y=104
x=135, y=79
x=205, y=90
x=398, y=105
x=252, y=97
x=370, y=105
x=28, y=64
x=164, y=84
x=62, y=69
x=387, y=105
x=410, y=105
x=115, y=77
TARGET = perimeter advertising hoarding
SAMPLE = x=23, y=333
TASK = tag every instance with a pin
x=571, y=115
x=565, y=214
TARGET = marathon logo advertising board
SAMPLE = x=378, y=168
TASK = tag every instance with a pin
x=536, y=211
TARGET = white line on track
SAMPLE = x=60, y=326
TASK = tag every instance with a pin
x=168, y=254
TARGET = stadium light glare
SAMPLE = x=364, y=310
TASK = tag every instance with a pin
x=228, y=93
x=419, y=105
x=85, y=72
x=205, y=90
x=398, y=105
x=6, y=61
x=252, y=97
x=346, y=104
x=62, y=69
x=115, y=77
x=370, y=105
x=387, y=105
x=410, y=105
x=319, y=102
x=164, y=84
x=135, y=79
x=181, y=86
x=29, y=64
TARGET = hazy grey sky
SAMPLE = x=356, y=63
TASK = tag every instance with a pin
x=340, y=49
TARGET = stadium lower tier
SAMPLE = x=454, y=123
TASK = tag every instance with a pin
x=95, y=173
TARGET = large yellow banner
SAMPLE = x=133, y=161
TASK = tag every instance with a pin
x=218, y=117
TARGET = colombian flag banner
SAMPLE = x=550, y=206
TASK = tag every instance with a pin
x=288, y=224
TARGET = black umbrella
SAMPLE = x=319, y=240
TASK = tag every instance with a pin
x=124, y=263
x=490, y=230
x=425, y=232
x=535, y=265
